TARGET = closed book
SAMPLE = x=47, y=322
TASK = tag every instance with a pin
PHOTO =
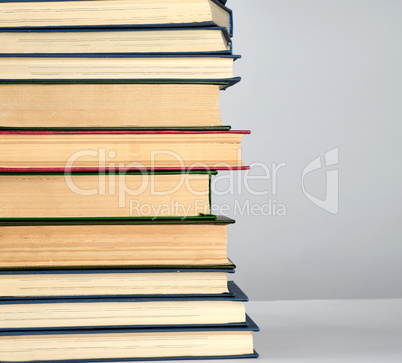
x=114, y=282
x=126, y=345
x=110, y=106
x=105, y=195
x=121, y=150
x=114, y=13
x=134, y=68
x=101, y=41
x=93, y=243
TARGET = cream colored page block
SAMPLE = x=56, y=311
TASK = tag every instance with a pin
x=36, y=196
x=121, y=245
x=56, y=315
x=113, y=284
x=140, y=345
x=121, y=105
x=115, y=68
x=113, y=42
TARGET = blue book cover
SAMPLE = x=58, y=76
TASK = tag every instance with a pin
x=250, y=325
x=61, y=314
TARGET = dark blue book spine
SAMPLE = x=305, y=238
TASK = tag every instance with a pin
x=249, y=325
x=246, y=356
x=235, y=294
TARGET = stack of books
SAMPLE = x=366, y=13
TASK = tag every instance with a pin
x=110, y=133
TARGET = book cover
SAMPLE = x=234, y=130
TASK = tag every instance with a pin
x=84, y=221
x=39, y=160
x=223, y=83
x=250, y=325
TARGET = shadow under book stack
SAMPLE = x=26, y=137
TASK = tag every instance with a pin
x=110, y=135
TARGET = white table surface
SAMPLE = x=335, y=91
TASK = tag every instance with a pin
x=344, y=331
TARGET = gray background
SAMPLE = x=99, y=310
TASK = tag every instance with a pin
x=318, y=75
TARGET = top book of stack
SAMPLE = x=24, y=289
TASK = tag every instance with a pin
x=114, y=13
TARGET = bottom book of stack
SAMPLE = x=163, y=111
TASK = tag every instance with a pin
x=121, y=345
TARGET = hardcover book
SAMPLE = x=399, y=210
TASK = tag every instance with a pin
x=125, y=345
x=110, y=106
x=59, y=42
x=93, y=243
x=114, y=282
x=120, y=150
x=114, y=13
x=135, y=68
